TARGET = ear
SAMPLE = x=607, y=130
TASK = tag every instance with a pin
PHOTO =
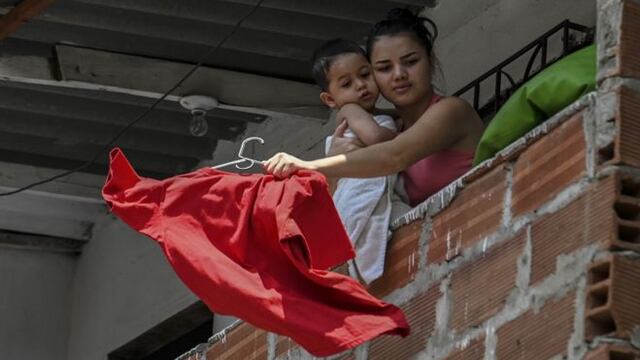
x=327, y=99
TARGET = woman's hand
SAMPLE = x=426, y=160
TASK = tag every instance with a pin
x=282, y=165
x=341, y=144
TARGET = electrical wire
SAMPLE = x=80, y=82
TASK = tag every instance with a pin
x=210, y=51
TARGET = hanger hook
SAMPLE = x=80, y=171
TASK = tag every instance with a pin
x=241, y=151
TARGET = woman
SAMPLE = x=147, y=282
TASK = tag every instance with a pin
x=439, y=134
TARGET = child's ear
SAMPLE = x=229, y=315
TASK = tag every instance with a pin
x=327, y=99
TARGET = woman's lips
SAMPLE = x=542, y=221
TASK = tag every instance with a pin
x=401, y=89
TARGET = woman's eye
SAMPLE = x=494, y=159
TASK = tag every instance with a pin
x=411, y=61
x=383, y=69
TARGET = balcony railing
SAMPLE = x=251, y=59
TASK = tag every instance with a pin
x=573, y=37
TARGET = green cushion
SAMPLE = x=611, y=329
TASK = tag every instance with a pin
x=544, y=95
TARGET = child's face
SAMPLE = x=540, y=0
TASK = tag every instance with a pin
x=350, y=81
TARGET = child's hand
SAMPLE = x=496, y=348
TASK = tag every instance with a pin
x=342, y=145
x=282, y=165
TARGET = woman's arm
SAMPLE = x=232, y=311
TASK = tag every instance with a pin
x=444, y=125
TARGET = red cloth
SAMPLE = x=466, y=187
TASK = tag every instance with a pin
x=257, y=248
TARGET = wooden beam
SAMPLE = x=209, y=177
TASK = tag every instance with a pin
x=23, y=12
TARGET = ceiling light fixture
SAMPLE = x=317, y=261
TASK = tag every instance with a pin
x=198, y=105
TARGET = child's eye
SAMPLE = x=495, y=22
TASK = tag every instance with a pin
x=346, y=84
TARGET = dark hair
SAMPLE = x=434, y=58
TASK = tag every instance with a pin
x=404, y=21
x=325, y=55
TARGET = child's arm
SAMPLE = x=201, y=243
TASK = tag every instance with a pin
x=389, y=112
x=363, y=125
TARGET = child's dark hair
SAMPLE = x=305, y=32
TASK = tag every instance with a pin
x=326, y=54
x=404, y=21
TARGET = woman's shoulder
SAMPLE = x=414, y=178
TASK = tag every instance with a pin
x=453, y=103
x=462, y=115
x=455, y=109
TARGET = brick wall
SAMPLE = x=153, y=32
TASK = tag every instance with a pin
x=534, y=254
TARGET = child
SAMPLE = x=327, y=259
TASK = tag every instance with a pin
x=341, y=69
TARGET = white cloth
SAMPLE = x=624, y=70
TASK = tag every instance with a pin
x=365, y=207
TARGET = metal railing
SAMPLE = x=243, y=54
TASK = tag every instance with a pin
x=540, y=46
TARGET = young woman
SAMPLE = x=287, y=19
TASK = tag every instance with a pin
x=439, y=134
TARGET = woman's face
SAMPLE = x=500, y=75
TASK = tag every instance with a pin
x=402, y=69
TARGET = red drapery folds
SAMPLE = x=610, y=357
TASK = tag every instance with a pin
x=257, y=248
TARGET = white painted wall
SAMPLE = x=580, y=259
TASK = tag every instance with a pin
x=123, y=287
x=35, y=296
x=476, y=35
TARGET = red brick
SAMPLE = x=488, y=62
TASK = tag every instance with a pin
x=475, y=213
x=538, y=336
x=613, y=352
x=401, y=262
x=284, y=344
x=630, y=40
x=421, y=314
x=473, y=351
x=549, y=166
x=480, y=288
x=342, y=269
x=346, y=356
x=627, y=210
x=613, y=298
x=604, y=214
x=243, y=342
x=627, y=144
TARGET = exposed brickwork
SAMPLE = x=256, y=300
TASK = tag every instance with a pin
x=402, y=259
x=474, y=213
x=347, y=356
x=627, y=146
x=473, y=300
x=630, y=40
x=541, y=335
x=283, y=345
x=244, y=342
x=421, y=314
x=586, y=220
x=549, y=166
x=342, y=269
x=613, y=298
x=613, y=352
x=473, y=351
x=627, y=210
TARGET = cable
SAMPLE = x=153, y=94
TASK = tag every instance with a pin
x=211, y=50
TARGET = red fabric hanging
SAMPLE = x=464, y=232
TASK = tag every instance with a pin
x=257, y=248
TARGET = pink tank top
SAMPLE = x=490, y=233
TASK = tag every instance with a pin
x=429, y=175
